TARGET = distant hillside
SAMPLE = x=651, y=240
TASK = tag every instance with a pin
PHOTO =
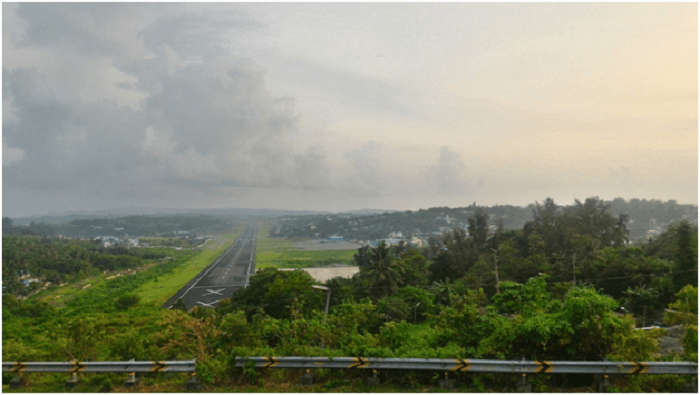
x=646, y=218
x=68, y=217
x=130, y=226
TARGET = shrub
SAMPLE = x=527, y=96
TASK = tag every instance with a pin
x=126, y=301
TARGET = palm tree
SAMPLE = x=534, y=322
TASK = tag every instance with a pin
x=383, y=272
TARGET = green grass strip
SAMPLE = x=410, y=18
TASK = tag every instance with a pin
x=158, y=291
x=284, y=253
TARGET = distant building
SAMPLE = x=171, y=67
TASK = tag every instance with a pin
x=416, y=242
x=388, y=242
x=336, y=238
x=29, y=280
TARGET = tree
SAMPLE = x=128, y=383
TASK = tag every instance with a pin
x=641, y=300
x=455, y=254
x=685, y=272
x=479, y=228
x=6, y=225
x=383, y=273
x=278, y=293
x=415, y=268
x=684, y=311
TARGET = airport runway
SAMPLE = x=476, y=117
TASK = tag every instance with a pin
x=230, y=271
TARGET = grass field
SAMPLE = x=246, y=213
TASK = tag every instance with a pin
x=154, y=292
x=159, y=290
x=276, y=252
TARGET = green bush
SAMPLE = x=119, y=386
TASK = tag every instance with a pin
x=126, y=301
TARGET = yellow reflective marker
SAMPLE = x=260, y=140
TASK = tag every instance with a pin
x=354, y=364
x=540, y=368
x=462, y=365
x=270, y=362
x=365, y=362
x=543, y=367
x=549, y=366
x=360, y=362
x=77, y=367
x=644, y=367
x=640, y=368
x=158, y=366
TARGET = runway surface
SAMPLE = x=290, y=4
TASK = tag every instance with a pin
x=230, y=271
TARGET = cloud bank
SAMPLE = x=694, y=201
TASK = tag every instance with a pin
x=193, y=105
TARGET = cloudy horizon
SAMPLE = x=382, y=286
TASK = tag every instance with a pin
x=345, y=106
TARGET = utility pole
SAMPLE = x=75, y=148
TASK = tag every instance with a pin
x=328, y=295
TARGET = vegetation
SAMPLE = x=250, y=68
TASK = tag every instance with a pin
x=31, y=262
x=283, y=253
x=565, y=286
x=129, y=226
x=645, y=215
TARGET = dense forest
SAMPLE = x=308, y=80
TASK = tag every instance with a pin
x=565, y=286
x=643, y=216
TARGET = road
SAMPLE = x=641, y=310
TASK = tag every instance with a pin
x=229, y=272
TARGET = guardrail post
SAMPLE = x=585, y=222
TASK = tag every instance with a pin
x=307, y=378
x=602, y=382
x=73, y=380
x=446, y=382
x=374, y=379
x=693, y=385
x=192, y=383
x=18, y=381
x=131, y=379
x=524, y=385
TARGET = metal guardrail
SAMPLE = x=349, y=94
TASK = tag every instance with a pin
x=474, y=365
x=95, y=367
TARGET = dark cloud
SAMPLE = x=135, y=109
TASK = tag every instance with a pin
x=205, y=120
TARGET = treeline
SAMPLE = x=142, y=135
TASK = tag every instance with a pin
x=129, y=226
x=37, y=260
x=643, y=215
x=581, y=245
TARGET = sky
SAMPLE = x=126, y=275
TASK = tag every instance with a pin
x=345, y=106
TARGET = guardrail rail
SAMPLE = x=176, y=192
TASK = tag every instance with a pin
x=474, y=365
x=75, y=367
x=95, y=367
x=522, y=367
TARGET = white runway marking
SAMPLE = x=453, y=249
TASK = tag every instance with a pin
x=216, y=291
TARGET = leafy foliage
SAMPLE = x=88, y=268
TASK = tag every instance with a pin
x=552, y=290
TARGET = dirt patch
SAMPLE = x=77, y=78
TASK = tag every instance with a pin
x=323, y=274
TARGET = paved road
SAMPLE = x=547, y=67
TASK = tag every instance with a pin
x=230, y=271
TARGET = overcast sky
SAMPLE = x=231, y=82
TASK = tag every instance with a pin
x=345, y=106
